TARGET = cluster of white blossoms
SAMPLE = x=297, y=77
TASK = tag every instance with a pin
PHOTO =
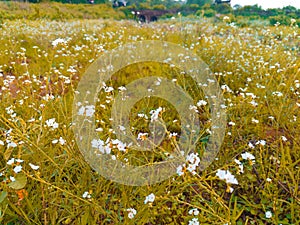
x=87, y=195
x=108, y=145
x=51, y=123
x=192, y=161
x=61, y=141
x=17, y=167
x=87, y=110
x=194, y=221
x=227, y=176
x=59, y=41
x=131, y=213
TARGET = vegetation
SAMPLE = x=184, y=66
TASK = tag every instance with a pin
x=44, y=178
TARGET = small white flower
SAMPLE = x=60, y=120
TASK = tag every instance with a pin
x=149, y=198
x=261, y=142
x=34, y=167
x=248, y=156
x=284, y=138
x=86, y=194
x=89, y=110
x=250, y=145
x=18, y=169
x=194, y=212
x=11, y=161
x=269, y=179
x=231, y=123
x=179, y=170
x=155, y=113
x=201, y=103
x=11, y=144
x=142, y=136
x=227, y=176
x=62, y=141
x=131, y=213
x=12, y=178
x=58, y=41
x=51, y=123
x=194, y=221
x=1, y=142
x=268, y=214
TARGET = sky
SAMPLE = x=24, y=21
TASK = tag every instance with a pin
x=265, y=4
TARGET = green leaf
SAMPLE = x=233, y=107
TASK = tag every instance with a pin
x=3, y=196
x=20, y=182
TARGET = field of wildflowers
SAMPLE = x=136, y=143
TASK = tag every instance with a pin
x=44, y=177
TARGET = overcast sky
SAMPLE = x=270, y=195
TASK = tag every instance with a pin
x=268, y=3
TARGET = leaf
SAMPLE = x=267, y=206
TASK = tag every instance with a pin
x=20, y=182
x=3, y=196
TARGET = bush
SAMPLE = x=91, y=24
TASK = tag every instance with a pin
x=159, y=7
x=209, y=13
x=283, y=20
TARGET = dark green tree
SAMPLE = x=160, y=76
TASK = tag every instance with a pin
x=199, y=2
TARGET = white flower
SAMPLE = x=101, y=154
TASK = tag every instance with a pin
x=131, y=212
x=174, y=134
x=227, y=176
x=250, y=145
x=58, y=41
x=81, y=111
x=241, y=166
x=34, y=167
x=248, y=156
x=142, y=136
x=155, y=113
x=149, y=198
x=268, y=214
x=97, y=143
x=1, y=142
x=12, y=178
x=62, y=141
x=11, y=144
x=231, y=123
x=11, y=161
x=89, y=110
x=194, y=212
x=201, y=103
x=51, y=123
x=179, y=170
x=194, y=221
x=18, y=169
x=86, y=194
x=261, y=142
x=284, y=138
x=268, y=179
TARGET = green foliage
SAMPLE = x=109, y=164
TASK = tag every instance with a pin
x=199, y=2
x=223, y=8
x=209, y=13
x=159, y=7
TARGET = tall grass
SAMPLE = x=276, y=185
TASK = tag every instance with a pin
x=258, y=70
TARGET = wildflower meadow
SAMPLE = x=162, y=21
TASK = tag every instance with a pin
x=197, y=122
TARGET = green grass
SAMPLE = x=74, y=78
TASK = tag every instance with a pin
x=260, y=65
